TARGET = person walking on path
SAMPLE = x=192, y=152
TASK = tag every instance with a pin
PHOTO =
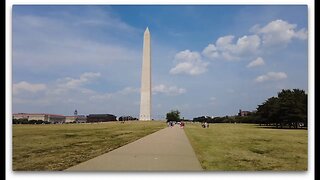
x=182, y=124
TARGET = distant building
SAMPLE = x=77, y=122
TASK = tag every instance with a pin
x=101, y=118
x=76, y=119
x=52, y=118
x=243, y=113
x=71, y=119
x=81, y=119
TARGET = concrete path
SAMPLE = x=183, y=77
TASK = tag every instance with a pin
x=166, y=150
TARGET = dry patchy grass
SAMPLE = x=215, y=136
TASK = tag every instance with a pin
x=247, y=147
x=57, y=147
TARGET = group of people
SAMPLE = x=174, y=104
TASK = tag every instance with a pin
x=171, y=124
x=205, y=125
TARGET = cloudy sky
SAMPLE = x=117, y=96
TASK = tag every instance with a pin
x=206, y=60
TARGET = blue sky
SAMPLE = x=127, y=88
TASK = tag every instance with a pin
x=206, y=60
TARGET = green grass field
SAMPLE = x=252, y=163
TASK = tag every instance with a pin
x=247, y=147
x=57, y=147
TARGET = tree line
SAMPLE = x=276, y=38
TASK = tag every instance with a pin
x=289, y=109
x=26, y=121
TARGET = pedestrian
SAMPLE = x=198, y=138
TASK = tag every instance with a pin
x=182, y=124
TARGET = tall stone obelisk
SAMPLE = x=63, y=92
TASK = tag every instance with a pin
x=145, y=101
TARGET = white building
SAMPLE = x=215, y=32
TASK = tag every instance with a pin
x=52, y=118
x=71, y=119
x=76, y=119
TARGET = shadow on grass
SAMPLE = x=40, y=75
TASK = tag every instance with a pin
x=285, y=128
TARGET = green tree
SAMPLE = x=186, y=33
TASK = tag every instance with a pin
x=289, y=108
x=293, y=107
x=269, y=111
x=173, y=115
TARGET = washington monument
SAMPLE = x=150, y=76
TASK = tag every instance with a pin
x=145, y=101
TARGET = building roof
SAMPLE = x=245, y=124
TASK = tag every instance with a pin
x=100, y=115
x=38, y=114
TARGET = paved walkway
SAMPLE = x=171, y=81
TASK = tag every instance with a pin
x=165, y=150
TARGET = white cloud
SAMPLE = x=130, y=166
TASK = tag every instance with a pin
x=168, y=90
x=224, y=43
x=257, y=62
x=24, y=86
x=72, y=52
x=107, y=96
x=211, y=51
x=83, y=79
x=247, y=44
x=189, y=63
x=63, y=40
x=64, y=85
x=226, y=49
x=279, y=32
x=67, y=93
x=271, y=76
x=101, y=97
x=68, y=87
x=129, y=90
x=106, y=21
x=274, y=33
x=301, y=34
x=188, y=56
